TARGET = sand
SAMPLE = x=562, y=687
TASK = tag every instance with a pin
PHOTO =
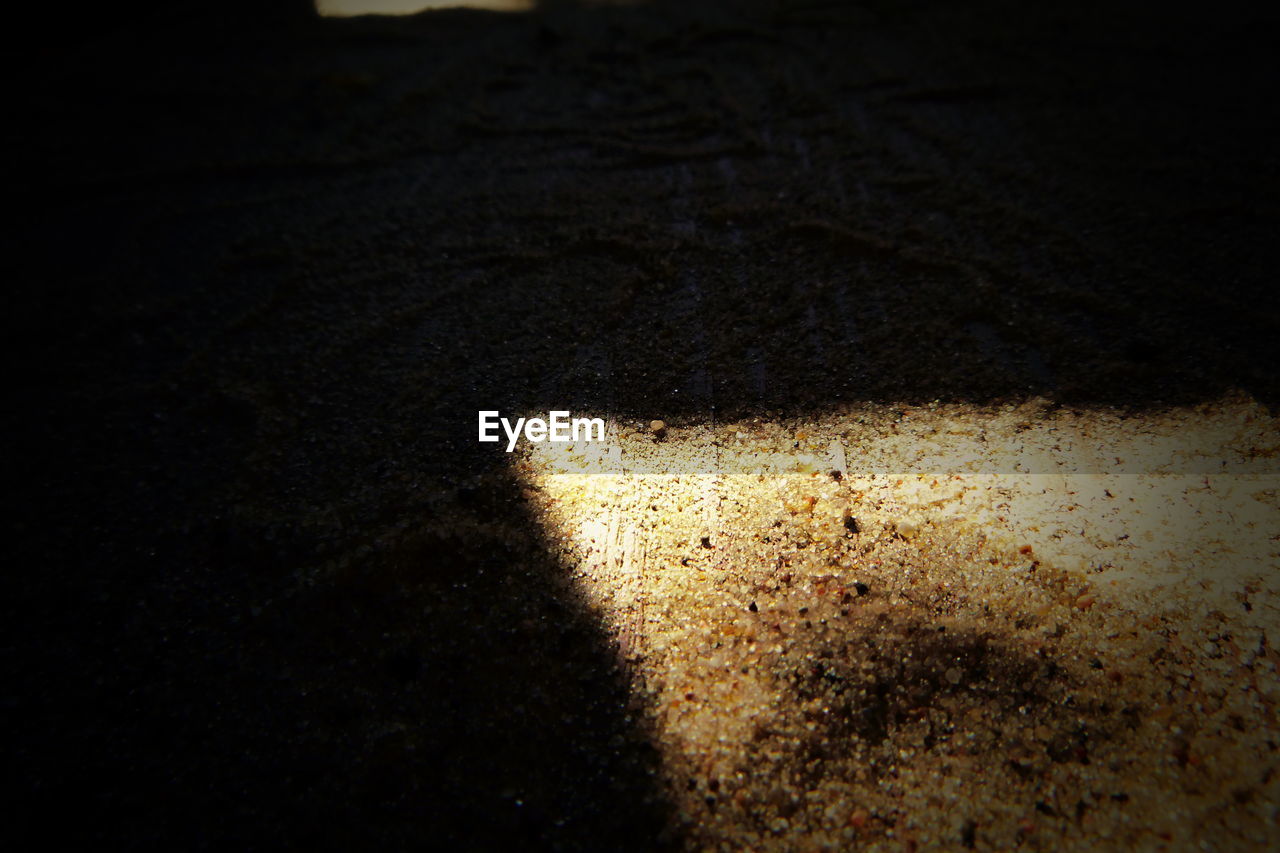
x=942, y=656
x=1008, y=271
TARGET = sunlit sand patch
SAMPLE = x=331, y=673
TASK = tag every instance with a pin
x=942, y=626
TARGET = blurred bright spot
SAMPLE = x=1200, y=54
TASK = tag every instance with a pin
x=347, y=8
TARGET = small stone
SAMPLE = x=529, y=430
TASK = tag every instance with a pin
x=658, y=428
x=954, y=675
x=804, y=505
x=753, y=608
x=1086, y=601
x=908, y=529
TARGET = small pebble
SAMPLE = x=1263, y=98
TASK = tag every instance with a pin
x=658, y=428
x=954, y=675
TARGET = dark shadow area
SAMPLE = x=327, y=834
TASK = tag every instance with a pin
x=265, y=585
x=890, y=686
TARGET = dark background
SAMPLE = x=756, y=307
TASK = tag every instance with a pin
x=265, y=589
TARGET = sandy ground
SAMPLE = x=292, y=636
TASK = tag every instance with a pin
x=888, y=646
x=1008, y=273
